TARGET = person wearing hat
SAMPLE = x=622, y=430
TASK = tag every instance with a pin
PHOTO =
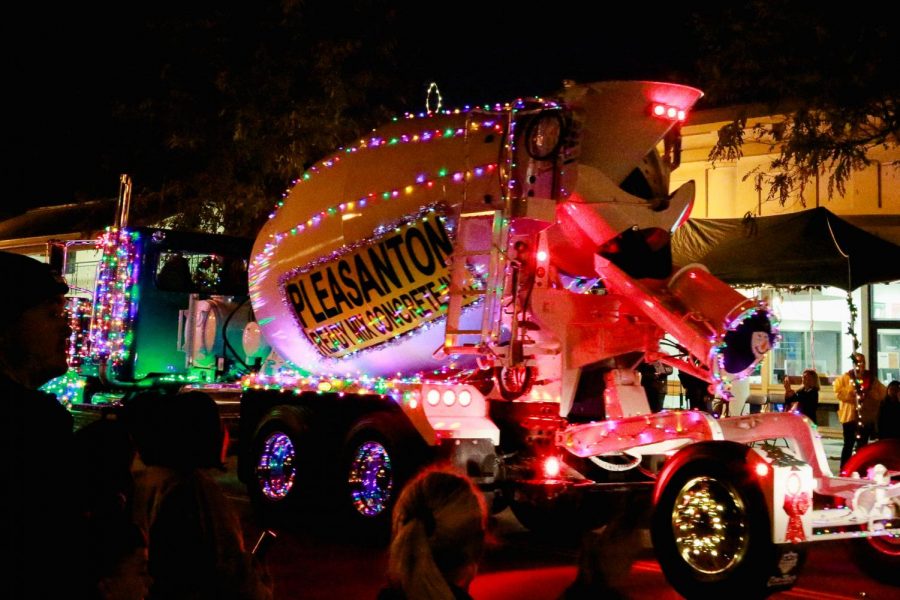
x=34, y=330
x=41, y=521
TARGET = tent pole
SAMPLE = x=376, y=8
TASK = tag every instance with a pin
x=812, y=333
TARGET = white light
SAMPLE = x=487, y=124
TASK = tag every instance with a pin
x=551, y=467
x=659, y=110
x=449, y=397
x=542, y=255
x=762, y=469
x=433, y=397
x=465, y=398
x=671, y=112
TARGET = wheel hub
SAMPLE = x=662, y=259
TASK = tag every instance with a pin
x=275, y=471
x=370, y=479
x=709, y=523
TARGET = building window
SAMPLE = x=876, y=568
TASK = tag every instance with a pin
x=801, y=350
x=886, y=301
x=814, y=326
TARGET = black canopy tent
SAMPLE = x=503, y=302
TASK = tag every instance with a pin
x=810, y=247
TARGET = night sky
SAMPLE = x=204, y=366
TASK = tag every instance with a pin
x=71, y=65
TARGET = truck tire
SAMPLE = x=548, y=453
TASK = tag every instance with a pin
x=708, y=497
x=879, y=557
x=277, y=456
x=377, y=462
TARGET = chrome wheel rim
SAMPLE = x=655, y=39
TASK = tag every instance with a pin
x=709, y=523
x=371, y=479
x=275, y=471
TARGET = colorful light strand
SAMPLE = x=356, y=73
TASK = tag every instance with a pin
x=115, y=302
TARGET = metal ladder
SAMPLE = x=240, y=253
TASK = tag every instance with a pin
x=465, y=289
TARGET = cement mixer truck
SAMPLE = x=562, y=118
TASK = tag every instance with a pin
x=478, y=287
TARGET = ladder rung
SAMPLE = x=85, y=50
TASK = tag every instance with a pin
x=480, y=213
x=467, y=349
x=464, y=332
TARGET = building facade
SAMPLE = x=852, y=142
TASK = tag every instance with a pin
x=814, y=322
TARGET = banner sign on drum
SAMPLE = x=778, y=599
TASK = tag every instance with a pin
x=387, y=287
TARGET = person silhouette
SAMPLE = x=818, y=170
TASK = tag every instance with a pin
x=889, y=414
x=40, y=505
x=195, y=542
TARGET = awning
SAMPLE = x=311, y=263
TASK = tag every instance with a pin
x=810, y=247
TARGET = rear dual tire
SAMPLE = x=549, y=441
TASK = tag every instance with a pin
x=359, y=486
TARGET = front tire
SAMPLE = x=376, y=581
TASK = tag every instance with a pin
x=710, y=525
x=879, y=557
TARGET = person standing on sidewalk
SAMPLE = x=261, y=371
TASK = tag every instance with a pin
x=860, y=395
x=806, y=399
x=889, y=415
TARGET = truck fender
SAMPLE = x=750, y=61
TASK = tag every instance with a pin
x=295, y=417
x=725, y=451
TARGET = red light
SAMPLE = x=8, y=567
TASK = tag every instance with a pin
x=762, y=469
x=551, y=467
x=659, y=110
x=671, y=112
x=542, y=255
x=682, y=115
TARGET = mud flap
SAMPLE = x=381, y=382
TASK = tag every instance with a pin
x=789, y=560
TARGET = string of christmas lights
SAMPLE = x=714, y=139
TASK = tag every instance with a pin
x=115, y=302
x=857, y=381
x=372, y=143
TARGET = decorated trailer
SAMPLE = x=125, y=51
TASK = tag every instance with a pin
x=478, y=287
